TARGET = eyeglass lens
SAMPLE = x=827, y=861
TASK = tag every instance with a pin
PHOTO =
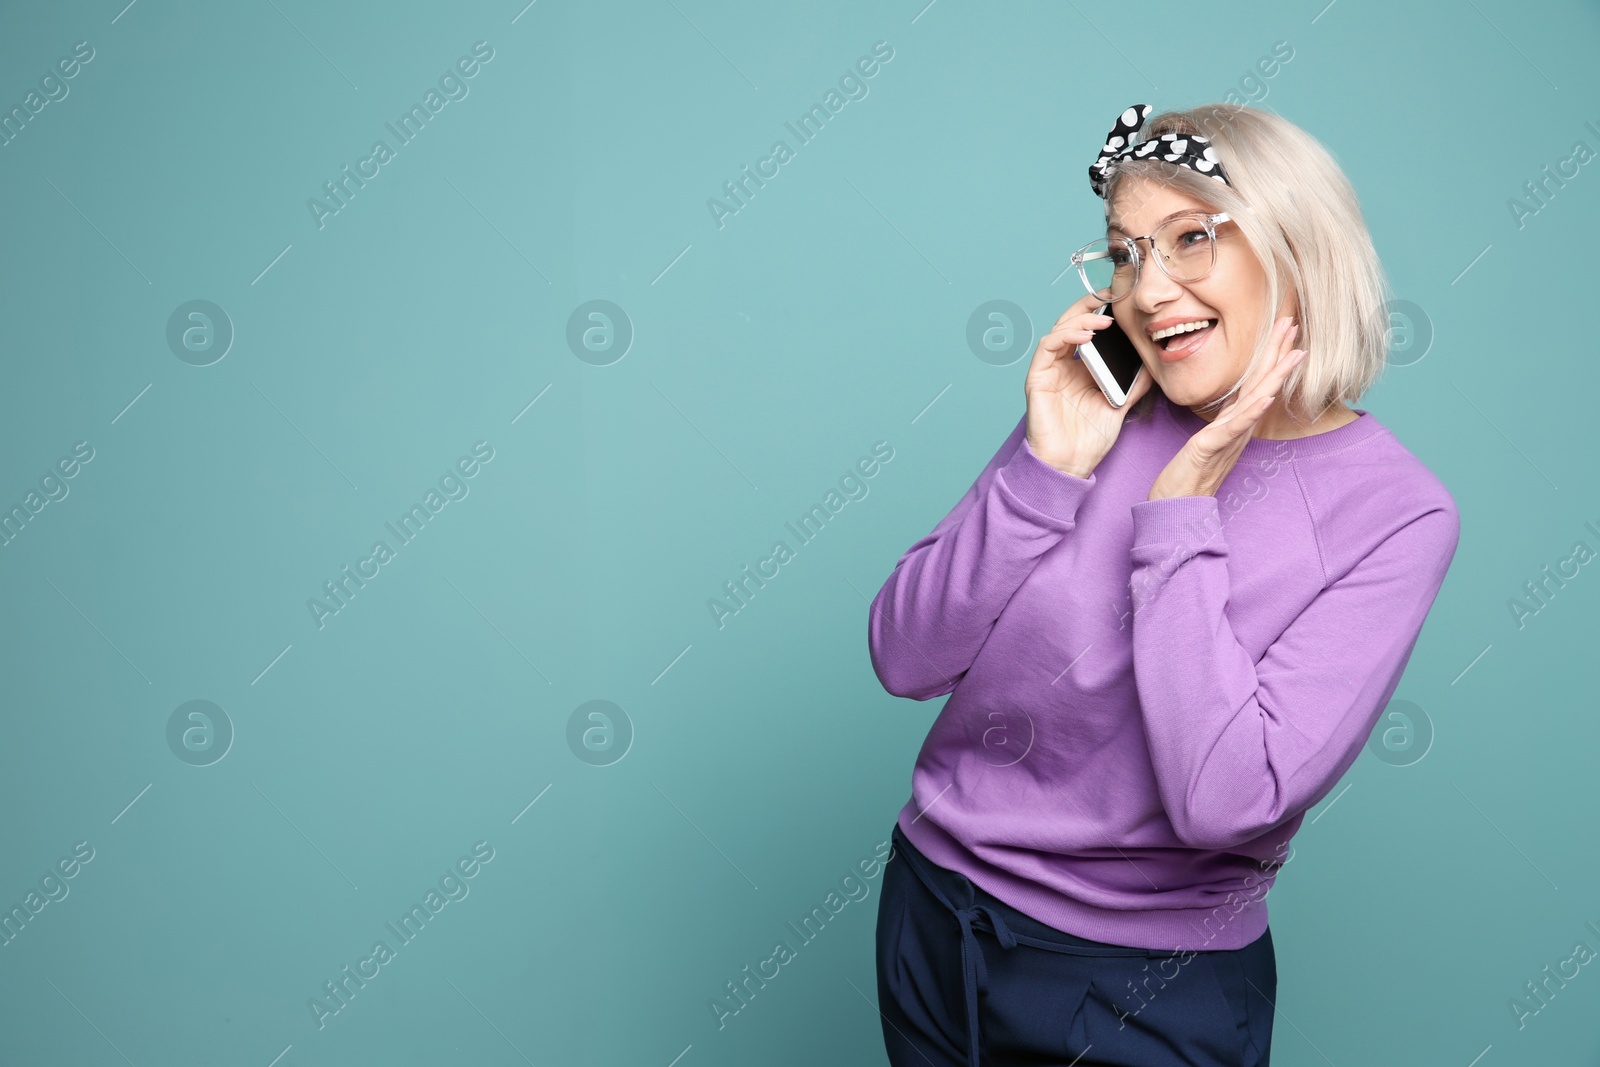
x=1110, y=268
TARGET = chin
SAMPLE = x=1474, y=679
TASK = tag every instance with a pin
x=1188, y=395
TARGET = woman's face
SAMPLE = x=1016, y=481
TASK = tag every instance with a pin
x=1203, y=364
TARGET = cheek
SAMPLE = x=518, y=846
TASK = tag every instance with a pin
x=1239, y=303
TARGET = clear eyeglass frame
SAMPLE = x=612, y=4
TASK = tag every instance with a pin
x=1089, y=253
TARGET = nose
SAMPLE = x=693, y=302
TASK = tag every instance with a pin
x=1153, y=287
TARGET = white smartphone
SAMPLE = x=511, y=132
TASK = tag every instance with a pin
x=1112, y=360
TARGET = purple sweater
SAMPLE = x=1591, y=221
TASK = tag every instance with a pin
x=1147, y=695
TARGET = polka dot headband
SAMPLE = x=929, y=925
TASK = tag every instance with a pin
x=1185, y=149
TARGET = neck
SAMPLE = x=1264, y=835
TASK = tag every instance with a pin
x=1278, y=425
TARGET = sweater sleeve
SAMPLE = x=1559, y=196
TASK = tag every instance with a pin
x=1239, y=746
x=935, y=611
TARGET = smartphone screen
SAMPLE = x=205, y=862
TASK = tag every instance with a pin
x=1117, y=352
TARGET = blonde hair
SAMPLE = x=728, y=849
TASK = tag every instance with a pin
x=1300, y=216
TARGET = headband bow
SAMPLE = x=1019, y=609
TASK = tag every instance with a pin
x=1185, y=149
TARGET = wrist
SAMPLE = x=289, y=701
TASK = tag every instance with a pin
x=1071, y=462
x=1165, y=492
x=1076, y=466
x=1077, y=470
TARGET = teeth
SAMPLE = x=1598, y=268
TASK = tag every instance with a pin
x=1182, y=327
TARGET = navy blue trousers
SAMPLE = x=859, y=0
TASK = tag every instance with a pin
x=1027, y=993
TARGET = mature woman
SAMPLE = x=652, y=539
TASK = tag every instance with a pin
x=1167, y=629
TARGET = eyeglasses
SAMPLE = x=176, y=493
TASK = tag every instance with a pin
x=1187, y=247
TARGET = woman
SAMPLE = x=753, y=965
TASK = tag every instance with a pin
x=1164, y=638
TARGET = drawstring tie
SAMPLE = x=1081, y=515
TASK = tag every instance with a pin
x=974, y=974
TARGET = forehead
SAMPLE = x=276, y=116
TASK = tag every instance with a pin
x=1141, y=205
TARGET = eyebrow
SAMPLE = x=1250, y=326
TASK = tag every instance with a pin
x=1184, y=211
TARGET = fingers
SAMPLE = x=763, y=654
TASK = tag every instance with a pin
x=1244, y=419
x=1085, y=304
x=1284, y=331
x=1240, y=418
x=1081, y=327
x=1288, y=359
x=1051, y=346
x=1081, y=330
x=1268, y=380
x=1070, y=330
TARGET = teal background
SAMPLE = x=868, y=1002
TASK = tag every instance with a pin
x=767, y=356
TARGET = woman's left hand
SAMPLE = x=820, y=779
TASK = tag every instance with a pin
x=1201, y=465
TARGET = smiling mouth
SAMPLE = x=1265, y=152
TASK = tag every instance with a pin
x=1188, y=339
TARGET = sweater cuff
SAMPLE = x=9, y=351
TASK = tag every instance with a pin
x=1054, y=494
x=1181, y=525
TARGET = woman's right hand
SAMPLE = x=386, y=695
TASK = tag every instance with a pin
x=1071, y=425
